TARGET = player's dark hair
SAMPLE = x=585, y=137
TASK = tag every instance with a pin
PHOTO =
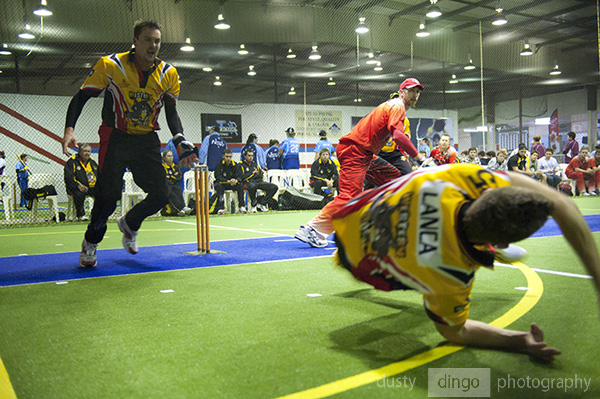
x=324, y=150
x=273, y=142
x=505, y=215
x=141, y=24
x=227, y=151
x=572, y=135
x=549, y=150
x=491, y=154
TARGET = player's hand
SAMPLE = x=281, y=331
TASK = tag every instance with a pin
x=68, y=141
x=186, y=151
x=536, y=346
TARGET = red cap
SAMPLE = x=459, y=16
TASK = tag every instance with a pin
x=410, y=83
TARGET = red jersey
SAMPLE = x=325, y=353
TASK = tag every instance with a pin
x=577, y=163
x=444, y=157
x=373, y=131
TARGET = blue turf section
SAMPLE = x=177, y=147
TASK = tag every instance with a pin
x=16, y=270
x=28, y=269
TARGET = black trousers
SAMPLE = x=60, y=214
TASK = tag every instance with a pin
x=79, y=199
x=318, y=185
x=141, y=154
x=397, y=159
x=269, y=188
x=220, y=188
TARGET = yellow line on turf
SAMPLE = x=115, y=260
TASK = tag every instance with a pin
x=527, y=302
x=6, y=389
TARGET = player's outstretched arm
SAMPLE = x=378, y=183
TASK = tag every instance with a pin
x=479, y=334
x=571, y=222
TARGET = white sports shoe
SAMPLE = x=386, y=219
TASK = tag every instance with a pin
x=129, y=236
x=262, y=208
x=87, y=257
x=309, y=235
x=510, y=254
x=253, y=209
x=221, y=212
x=243, y=209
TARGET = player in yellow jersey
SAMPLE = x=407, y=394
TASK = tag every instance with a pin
x=431, y=230
x=136, y=85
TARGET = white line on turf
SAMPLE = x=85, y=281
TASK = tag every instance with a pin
x=232, y=228
x=565, y=274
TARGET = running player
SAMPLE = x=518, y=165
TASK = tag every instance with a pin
x=356, y=152
x=136, y=85
x=431, y=230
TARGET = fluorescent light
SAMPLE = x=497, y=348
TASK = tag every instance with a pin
x=207, y=69
x=453, y=80
x=378, y=67
x=42, y=10
x=221, y=23
x=314, y=54
x=362, y=27
x=555, y=70
x=251, y=71
x=292, y=92
x=187, y=46
x=5, y=50
x=470, y=66
x=331, y=82
x=526, y=50
x=290, y=54
x=499, y=19
x=422, y=32
x=242, y=50
x=433, y=11
x=217, y=81
x=482, y=128
x=26, y=34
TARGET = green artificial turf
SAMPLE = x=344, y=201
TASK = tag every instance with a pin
x=252, y=331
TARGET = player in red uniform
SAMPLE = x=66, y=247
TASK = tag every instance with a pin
x=444, y=153
x=356, y=152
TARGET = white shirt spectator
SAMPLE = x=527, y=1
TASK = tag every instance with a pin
x=548, y=165
x=495, y=165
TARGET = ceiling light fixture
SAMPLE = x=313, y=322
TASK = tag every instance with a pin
x=555, y=70
x=362, y=27
x=221, y=23
x=290, y=54
x=26, y=34
x=42, y=10
x=314, y=54
x=422, y=32
x=5, y=50
x=372, y=59
x=331, y=82
x=187, y=46
x=217, y=81
x=378, y=67
x=292, y=92
x=357, y=100
x=499, y=19
x=207, y=69
x=526, y=50
x=242, y=50
x=251, y=71
x=470, y=66
x=453, y=80
x=433, y=11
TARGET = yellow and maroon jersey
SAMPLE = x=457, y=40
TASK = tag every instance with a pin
x=405, y=235
x=136, y=96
